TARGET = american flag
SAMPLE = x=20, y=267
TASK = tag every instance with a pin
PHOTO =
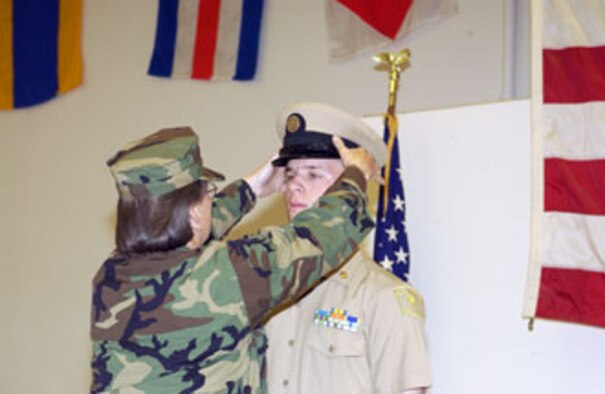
x=566, y=279
x=391, y=248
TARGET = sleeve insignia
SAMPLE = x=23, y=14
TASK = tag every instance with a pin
x=410, y=301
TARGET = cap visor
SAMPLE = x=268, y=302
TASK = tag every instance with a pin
x=211, y=175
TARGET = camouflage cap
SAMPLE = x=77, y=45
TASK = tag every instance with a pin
x=306, y=131
x=160, y=163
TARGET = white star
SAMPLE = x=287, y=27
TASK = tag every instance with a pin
x=400, y=172
x=402, y=256
x=387, y=263
x=392, y=233
x=399, y=203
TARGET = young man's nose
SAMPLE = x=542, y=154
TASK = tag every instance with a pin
x=294, y=184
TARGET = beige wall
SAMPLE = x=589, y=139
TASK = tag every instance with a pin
x=57, y=199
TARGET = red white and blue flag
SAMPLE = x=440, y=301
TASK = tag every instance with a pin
x=391, y=248
x=357, y=26
x=566, y=279
x=207, y=39
x=40, y=50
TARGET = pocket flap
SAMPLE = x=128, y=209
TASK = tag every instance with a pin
x=333, y=342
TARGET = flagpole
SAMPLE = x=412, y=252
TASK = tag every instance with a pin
x=395, y=64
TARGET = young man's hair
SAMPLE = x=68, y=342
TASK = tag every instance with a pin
x=149, y=224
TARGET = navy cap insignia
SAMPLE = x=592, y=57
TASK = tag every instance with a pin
x=294, y=123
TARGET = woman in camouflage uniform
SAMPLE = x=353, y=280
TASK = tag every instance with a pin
x=176, y=310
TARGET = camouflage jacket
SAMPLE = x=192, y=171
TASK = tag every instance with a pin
x=188, y=321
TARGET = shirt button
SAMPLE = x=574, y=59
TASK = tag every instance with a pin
x=343, y=274
x=291, y=342
x=285, y=382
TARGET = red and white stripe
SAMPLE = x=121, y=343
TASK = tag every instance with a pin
x=207, y=39
x=566, y=278
x=208, y=49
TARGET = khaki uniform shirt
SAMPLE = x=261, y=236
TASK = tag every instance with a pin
x=385, y=354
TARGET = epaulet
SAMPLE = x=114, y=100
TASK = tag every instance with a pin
x=409, y=300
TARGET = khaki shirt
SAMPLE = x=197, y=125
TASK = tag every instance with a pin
x=386, y=354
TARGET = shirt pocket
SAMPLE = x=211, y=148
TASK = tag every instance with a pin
x=336, y=361
x=332, y=342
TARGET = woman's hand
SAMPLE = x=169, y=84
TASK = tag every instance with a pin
x=358, y=157
x=266, y=179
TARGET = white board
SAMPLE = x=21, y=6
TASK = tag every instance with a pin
x=466, y=175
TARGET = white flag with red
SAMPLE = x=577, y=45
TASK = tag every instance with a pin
x=357, y=26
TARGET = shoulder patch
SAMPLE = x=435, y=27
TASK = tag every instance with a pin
x=410, y=301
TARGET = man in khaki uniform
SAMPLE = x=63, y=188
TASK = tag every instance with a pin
x=362, y=329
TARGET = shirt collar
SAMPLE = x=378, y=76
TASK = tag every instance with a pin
x=353, y=271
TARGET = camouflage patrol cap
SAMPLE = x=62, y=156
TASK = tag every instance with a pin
x=306, y=131
x=160, y=163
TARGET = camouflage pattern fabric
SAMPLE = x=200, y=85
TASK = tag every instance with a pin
x=229, y=206
x=159, y=163
x=188, y=321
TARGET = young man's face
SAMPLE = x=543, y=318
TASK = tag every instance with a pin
x=307, y=180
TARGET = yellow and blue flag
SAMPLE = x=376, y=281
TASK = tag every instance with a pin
x=40, y=50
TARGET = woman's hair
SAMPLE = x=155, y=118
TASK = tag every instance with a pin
x=149, y=224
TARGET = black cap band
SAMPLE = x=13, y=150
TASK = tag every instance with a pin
x=307, y=145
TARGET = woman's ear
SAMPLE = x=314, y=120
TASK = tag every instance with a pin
x=195, y=223
x=195, y=214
